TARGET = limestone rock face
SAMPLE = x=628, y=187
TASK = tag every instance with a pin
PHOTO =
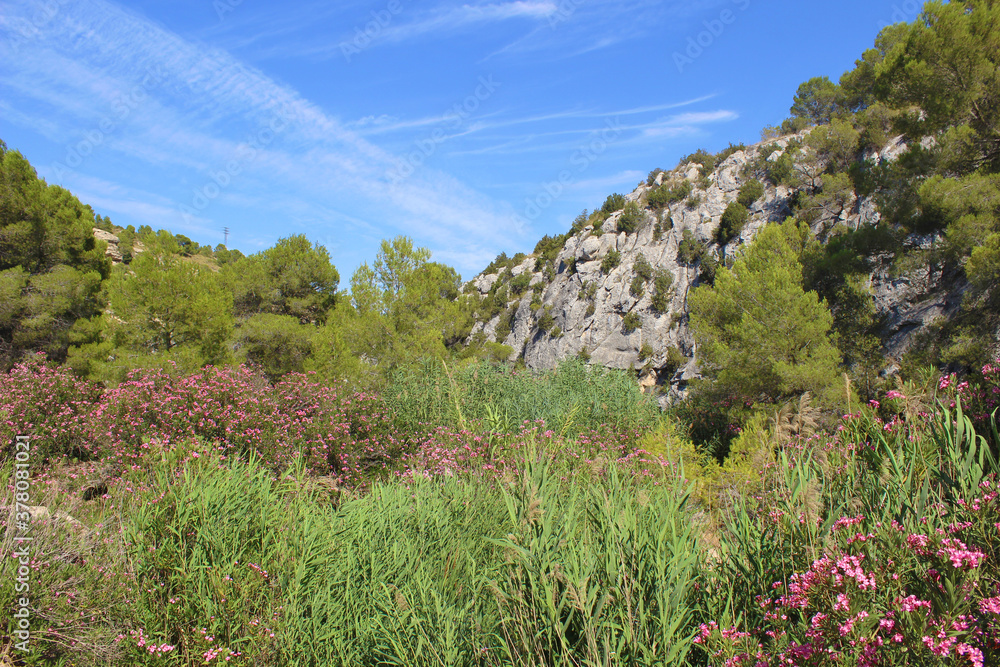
x=112, y=241
x=589, y=305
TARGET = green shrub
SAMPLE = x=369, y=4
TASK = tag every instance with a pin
x=780, y=171
x=614, y=202
x=630, y=218
x=645, y=351
x=591, y=309
x=611, y=261
x=708, y=268
x=519, y=285
x=579, y=222
x=652, y=176
x=642, y=267
x=546, y=321
x=693, y=202
x=661, y=290
x=750, y=192
x=669, y=193
x=638, y=287
x=505, y=324
x=734, y=219
x=690, y=250
x=725, y=153
x=631, y=322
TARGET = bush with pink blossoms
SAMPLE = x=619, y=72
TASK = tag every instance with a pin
x=53, y=405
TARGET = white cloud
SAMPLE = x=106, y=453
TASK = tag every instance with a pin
x=204, y=103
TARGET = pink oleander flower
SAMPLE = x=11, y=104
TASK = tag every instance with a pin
x=960, y=555
x=990, y=605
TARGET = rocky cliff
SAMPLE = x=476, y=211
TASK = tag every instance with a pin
x=612, y=311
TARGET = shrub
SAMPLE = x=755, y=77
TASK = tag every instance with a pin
x=519, y=285
x=652, y=176
x=611, y=261
x=690, y=250
x=591, y=309
x=630, y=218
x=725, y=153
x=642, y=267
x=638, y=287
x=614, y=202
x=734, y=219
x=505, y=324
x=780, y=171
x=579, y=222
x=750, y=192
x=661, y=291
x=668, y=193
x=645, y=351
x=709, y=266
x=693, y=202
x=631, y=322
x=546, y=321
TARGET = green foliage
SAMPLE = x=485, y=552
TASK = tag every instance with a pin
x=835, y=194
x=614, y=202
x=574, y=398
x=760, y=335
x=519, y=285
x=690, y=250
x=652, y=176
x=661, y=290
x=941, y=70
x=693, y=201
x=579, y=222
x=631, y=322
x=405, y=307
x=545, y=321
x=162, y=308
x=836, y=144
x=293, y=278
x=734, y=219
x=816, y=100
x=630, y=218
x=505, y=324
x=548, y=248
x=669, y=193
x=611, y=261
x=51, y=267
x=780, y=171
x=275, y=344
x=645, y=351
x=642, y=267
x=591, y=309
x=750, y=192
x=638, y=287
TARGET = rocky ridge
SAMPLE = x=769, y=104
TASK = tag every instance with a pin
x=594, y=312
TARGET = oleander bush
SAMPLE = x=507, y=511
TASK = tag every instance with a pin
x=874, y=542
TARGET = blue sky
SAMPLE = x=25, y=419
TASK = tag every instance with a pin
x=472, y=126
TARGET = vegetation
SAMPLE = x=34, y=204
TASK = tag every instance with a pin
x=236, y=459
x=631, y=322
x=630, y=218
x=734, y=219
x=611, y=261
x=669, y=193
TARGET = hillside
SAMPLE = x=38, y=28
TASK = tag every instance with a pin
x=574, y=299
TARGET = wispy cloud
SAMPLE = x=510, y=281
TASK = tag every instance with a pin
x=450, y=19
x=207, y=103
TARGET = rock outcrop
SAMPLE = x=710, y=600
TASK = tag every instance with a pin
x=589, y=305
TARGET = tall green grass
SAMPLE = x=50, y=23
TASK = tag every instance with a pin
x=571, y=399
